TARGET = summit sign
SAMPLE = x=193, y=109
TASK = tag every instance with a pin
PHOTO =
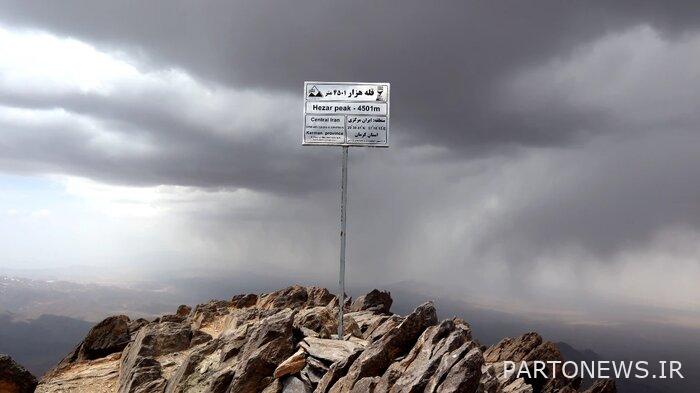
x=346, y=114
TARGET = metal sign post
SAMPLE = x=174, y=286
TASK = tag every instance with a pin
x=345, y=114
x=343, y=225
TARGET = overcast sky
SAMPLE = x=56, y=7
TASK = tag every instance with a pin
x=538, y=152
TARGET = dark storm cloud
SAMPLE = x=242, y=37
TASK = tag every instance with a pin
x=452, y=67
x=443, y=59
x=182, y=154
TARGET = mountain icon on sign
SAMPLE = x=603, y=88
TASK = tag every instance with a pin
x=315, y=92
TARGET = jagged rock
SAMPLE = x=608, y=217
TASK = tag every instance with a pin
x=448, y=340
x=183, y=310
x=374, y=333
x=518, y=386
x=351, y=328
x=139, y=371
x=323, y=321
x=526, y=348
x=199, y=337
x=244, y=301
x=306, y=332
x=336, y=371
x=164, y=338
x=269, y=344
x=317, y=318
x=280, y=343
x=365, y=385
x=15, y=378
x=274, y=387
x=313, y=372
x=204, y=314
x=295, y=385
x=330, y=350
x=294, y=296
x=513, y=349
x=463, y=376
x=603, y=386
x=187, y=377
x=135, y=325
x=561, y=385
x=171, y=318
x=376, y=300
x=367, y=319
x=107, y=337
x=141, y=374
x=319, y=297
x=291, y=365
x=377, y=357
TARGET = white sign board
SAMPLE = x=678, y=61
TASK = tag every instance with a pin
x=346, y=114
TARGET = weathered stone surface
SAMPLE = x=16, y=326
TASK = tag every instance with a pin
x=376, y=300
x=330, y=350
x=513, y=349
x=603, y=386
x=171, y=318
x=291, y=365
x=136, y=325
x=324, y=321
x=374, y=333
x=295, y=385
x=140, y=374
x=336, y=371
x=107, y=337
x=377, y=357
x=244, y=301
x=279, y=343
x=138, y=369
x=15, y=378
x=314, y=371
x=319, y=297
x=204, y=314
x=365, y=385
x=294, y=296
x=274, y=387
x=414, y=372
x=366, y=319
x=269, y=344
x=190, y=375
x=317, y=318
x=165, y=338
x=463, y=376
x=183, y=310
x=517, y=386
x=199, y=337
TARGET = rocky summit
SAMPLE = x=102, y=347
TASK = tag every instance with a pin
x=284, y=342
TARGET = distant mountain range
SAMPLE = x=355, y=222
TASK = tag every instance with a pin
x=39, y=343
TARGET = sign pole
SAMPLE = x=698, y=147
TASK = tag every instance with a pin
x=345, y=114
x=343, y=224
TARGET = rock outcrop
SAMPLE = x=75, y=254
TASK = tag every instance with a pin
x=285, y=342
x=15, y=378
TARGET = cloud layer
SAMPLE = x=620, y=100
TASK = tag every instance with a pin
x=538, y=151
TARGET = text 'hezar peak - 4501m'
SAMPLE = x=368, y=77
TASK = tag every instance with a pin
x=346, y=114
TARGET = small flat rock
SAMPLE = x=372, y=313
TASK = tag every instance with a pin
x=330, y=350
x=292, y=364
